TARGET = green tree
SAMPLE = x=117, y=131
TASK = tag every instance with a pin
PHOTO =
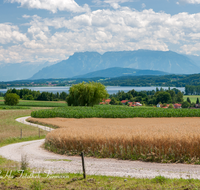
x=185, y=104
x=179, y=97
x=188, y=100
x=173, y=95
x=171, y=106
x=11, y=99
x=86, y=94
x=113, y=101
x=163, y=97
x=197, y=102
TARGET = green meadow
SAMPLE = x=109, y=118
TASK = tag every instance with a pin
x=193, y=98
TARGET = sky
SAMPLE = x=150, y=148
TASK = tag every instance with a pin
x=37, y=31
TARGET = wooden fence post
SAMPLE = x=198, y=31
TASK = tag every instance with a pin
x=83, y=164
x=21, y=134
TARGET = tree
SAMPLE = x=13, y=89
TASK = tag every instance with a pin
x=188, y=100
x=113, y=101
x=185, y=104
x=11, y=99
x=197, y=102
x=173, y=95
x=163, y=97
x=179, y=97
x=86, y=94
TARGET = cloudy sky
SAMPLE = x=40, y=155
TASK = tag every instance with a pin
x=52, y=30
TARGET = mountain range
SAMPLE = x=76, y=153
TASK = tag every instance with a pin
x=86, y=62
x=93, y=64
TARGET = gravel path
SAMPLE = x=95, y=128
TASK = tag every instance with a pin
x=42, y=160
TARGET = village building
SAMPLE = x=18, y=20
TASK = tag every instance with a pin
x=177, y=106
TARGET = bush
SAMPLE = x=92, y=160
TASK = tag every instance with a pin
x=185, y=104
x=11, y=99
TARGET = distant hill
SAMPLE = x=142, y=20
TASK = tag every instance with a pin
x=86, y=62
x=118, y=71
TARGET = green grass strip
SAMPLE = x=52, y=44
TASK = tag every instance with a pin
x=18, y=140
x=114, y=112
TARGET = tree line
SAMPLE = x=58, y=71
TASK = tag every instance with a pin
x=149, y=97
x=27, y=94
x=192, y=90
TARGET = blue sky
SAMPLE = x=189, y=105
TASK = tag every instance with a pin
x=37, y=31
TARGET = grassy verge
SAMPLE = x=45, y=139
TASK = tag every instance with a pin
x=75, y=181
x=28, y=103
x=114, y=112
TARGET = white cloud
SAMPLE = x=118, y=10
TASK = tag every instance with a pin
x=52, y=5
x=102, y=30
x=189, y=1
x=11, y=34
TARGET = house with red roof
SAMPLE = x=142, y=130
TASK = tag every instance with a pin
x=177, y=106
x=138, y=104
x=107, y=101
x=124, y=101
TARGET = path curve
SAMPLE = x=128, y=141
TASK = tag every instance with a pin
x=43, y=160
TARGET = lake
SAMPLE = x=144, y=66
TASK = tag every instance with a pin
x=110, y=89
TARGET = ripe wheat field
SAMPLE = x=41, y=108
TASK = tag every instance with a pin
x=163, y=140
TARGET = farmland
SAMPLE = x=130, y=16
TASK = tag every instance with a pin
x=149, y=139
x=11, y=132
x=114, y=112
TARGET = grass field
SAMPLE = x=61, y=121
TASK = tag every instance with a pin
x=1, y=98
x=193, y=98
x=28, y=103
x=108, y=111
x=9, y=128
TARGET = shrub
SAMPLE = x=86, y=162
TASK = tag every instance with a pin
x=185, y=104
x=11, y=99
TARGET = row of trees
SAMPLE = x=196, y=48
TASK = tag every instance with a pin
x=149, y=97
x=83, y=94
x=89, y=94
x=27, y=94
x=192, y=90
